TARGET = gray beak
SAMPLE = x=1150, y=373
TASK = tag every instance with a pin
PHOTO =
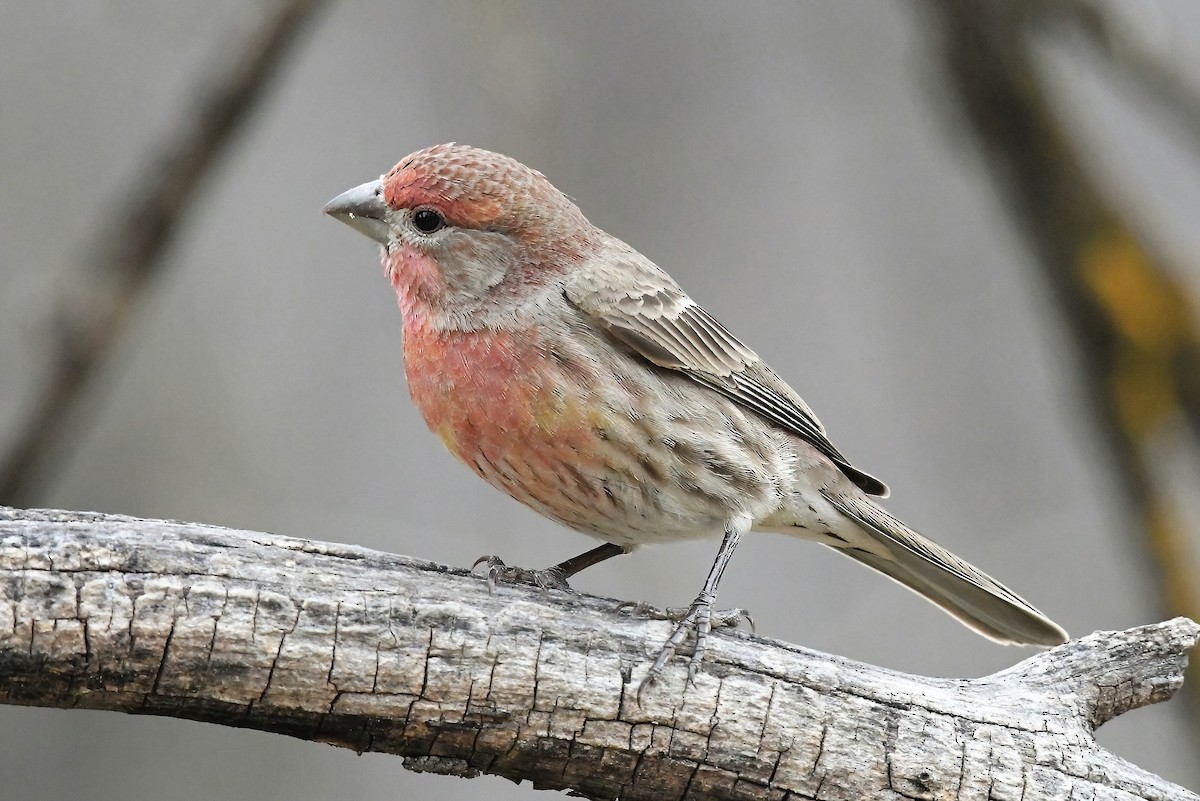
x=362, y=209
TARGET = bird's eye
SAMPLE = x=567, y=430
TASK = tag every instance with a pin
x=427, y=221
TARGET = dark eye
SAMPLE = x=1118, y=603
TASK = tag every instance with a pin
x=427, y=221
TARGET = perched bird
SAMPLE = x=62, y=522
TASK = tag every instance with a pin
x=569, y=371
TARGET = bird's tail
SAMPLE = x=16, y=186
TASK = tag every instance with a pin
x=970, y=595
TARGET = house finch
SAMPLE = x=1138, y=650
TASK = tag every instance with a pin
x=569, y=371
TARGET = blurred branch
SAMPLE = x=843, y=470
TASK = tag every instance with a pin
x=373, y=652
x=1134, y=54
x=107, y=286
x=1135, y=326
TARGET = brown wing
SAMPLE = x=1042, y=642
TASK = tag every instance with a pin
x=645, y=310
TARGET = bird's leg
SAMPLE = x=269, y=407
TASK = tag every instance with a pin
x=698, y=616
x=548, y=578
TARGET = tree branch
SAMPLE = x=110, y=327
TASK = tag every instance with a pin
x=1119, y=33
x=94, y=308
x=375, y=652
x=1136, y=326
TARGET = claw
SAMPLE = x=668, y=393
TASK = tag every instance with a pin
x=649, y=679
x=495, y=566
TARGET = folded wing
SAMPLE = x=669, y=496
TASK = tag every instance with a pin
x=642, y=307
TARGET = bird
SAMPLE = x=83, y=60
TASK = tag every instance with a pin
x=569, y=371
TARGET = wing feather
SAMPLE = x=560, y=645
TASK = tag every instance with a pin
x=647, y=311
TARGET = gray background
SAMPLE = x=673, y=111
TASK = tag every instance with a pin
x=795, y=166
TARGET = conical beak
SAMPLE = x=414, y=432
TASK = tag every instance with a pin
x=362, y=209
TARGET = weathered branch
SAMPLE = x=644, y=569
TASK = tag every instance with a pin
x=374, y=652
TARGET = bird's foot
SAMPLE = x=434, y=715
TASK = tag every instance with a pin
x=721, y=618
x=550, y=578
x=701, y=618
x=699, y=615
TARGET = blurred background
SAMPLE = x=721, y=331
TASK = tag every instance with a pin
x=965, y=232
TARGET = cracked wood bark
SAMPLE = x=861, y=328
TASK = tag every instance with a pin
x=376, y=652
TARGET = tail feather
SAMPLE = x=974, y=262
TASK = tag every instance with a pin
x=968, y=594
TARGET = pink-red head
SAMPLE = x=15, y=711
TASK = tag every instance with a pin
x=473, y=188
x=464, y=228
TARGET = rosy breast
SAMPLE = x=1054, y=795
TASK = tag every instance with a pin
x=497, y=401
